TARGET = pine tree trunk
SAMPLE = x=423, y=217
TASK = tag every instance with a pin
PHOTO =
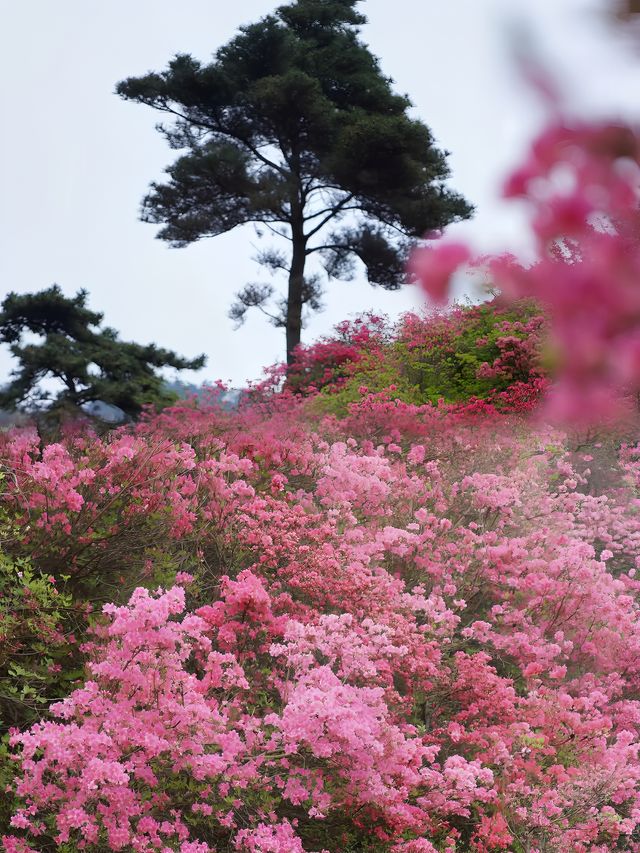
x=296, y=288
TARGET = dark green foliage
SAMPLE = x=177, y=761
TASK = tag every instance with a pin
x=294, y=126
x=36, y=660
x=33, y=644
x=90, y=362
x=450, y=368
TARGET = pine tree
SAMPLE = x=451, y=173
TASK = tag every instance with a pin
x=90, y=363
x=294, y=127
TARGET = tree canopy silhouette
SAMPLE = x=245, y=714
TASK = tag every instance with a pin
x=90, y=363
x=293, y=127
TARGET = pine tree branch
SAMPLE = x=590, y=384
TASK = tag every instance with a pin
x=332, y=212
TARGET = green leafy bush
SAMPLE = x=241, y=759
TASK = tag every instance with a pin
x=474, y=351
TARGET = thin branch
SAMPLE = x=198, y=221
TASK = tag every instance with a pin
x=333, y=212
x=391, y=225
x=216, y=129
x=274, y=317
x=276, y=232
x=324, y=187
x=335, y=246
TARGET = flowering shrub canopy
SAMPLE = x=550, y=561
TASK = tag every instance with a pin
x=473, y=351
x=400, y=625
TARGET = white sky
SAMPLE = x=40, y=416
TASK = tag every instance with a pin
x=75, y=160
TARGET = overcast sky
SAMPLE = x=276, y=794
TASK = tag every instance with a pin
x=75, y=160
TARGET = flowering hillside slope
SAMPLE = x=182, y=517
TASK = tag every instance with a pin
x=392, y=607
x=424, y=636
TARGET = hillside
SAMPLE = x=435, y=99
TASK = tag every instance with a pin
x=340, y=619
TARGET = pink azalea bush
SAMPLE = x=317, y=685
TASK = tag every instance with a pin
x=471, y=351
